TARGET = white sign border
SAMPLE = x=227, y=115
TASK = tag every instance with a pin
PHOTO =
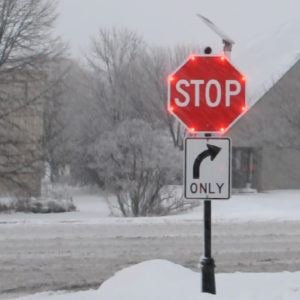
x=202, y=131
x=229, y=167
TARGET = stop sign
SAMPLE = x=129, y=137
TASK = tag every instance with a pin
x=207, y=94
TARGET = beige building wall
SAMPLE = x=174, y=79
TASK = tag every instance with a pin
x=21, y=149
x=280, y=169
x=272, y=127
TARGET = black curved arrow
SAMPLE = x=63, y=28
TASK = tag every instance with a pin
x=211, y=151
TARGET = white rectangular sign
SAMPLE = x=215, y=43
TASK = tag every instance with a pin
x=207, y=173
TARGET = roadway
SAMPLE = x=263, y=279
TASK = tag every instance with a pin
x=42, y=257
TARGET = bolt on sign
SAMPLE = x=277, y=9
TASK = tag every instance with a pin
x=207, y=173
x=207, y=94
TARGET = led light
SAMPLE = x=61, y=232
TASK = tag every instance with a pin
x=171, y=78
x=171, y=108
x=222, y=129
x=222, y=58
x=193, y=57
x=244, y=78
x=244, y=108
x=192, y=129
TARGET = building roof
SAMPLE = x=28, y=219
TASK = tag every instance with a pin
x=266, y=35
x=274, y=120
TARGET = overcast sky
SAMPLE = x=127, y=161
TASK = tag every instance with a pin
x=162, y=22
x=169, y=22
x=266, y=32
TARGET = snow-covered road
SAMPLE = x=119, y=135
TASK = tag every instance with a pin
x=77, y=256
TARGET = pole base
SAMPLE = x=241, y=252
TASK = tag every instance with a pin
x=208, y=275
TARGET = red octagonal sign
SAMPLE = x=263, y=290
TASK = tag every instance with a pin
x=207, y=94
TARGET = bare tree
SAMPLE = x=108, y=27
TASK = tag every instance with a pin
x=26, y=49
x=135, y=163
x=131, y=78
x=110, y=93
x=56, y=148
x=113, y=58
x=83, y=121
x=158, y=64
x=127, y=146
x=26, y=43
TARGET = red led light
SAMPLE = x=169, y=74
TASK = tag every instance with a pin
x=171, y=78
x=193, y=57
x=192, y=129
x=222, y=58
x=244, y=78
x=222, y=129
x=244, y=108
x=171, y=108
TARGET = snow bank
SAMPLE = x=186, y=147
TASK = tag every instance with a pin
x=163, y=280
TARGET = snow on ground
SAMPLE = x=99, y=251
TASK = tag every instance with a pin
x=162, y=280
x=278, y=205
x=93, y=208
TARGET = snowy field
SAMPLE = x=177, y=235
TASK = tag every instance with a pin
x=163, y=280
x=93, y=208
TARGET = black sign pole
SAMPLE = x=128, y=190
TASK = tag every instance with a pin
x=207, y=262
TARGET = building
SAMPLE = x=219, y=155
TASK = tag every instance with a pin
x=266, y=140
x=21, y=129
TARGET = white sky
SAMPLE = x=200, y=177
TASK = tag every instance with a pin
x=169, y=22
x=160, y=22
x=266, y=32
